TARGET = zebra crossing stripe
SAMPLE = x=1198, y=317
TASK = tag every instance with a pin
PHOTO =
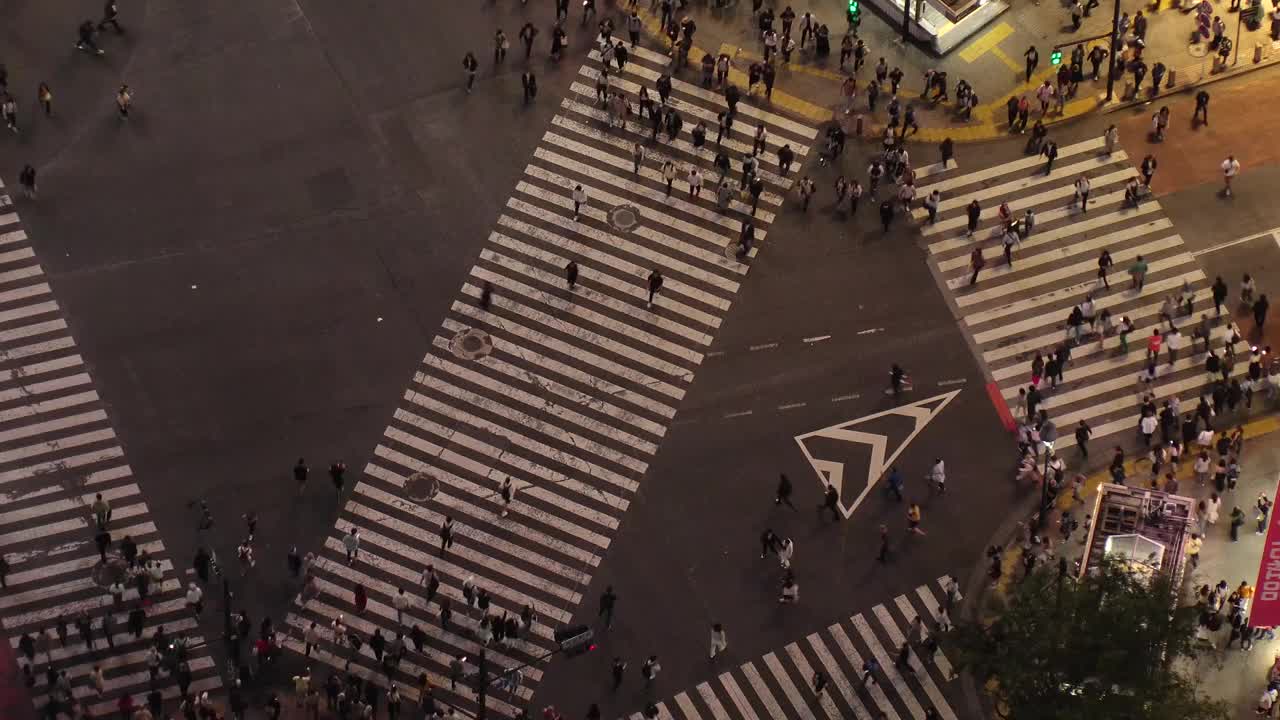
x=998, y=192
x=1033, y=161
x=888, y=666
x=762, y=690
x=709, y=697
x=922, y=675
x=837, y=676
x=872, y=686
x=806, y=673
x=736, y=695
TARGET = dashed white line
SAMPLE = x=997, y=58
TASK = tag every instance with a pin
x=841, y=398
x=956, y=381
x=817, y=338
x=766, y=346
x=792, y=406
x=737, y=414
x=870, y=331
x=717, y=353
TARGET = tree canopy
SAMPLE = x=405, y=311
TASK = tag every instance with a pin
x=1114, y=645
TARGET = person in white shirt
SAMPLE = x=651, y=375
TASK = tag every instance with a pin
x=719, y=640
x=579, y=199
x=1230, y=168
x=695, y=182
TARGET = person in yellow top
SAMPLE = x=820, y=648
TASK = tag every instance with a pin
x=913, y=519
x=1192, y=550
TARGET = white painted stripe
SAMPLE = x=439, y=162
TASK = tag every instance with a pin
x=739, y=139
x=909, y=612
x=79, y=503
x=556, y=324
x=712, y=702
x=136, y=682
x=31, y=410
x=62, y=464
x=117, y=660
x=927, y=597
x=736, y=695
x=22, y=273
x=1058, y=318
x=210, y=684
x=45, y=570
x=1048, y=237
x=1044, y=217
x=806, y=673
x=543, y=383
x=837, y=677
x=1075, y=292
x=663, y=713
x=12, y=237
x=10, y=334
x=454, y=499
x=599, y=201
x=716, y=99
x=996, y=284
x=1009, y=167
x=626, y=164
x=762, y=690
x=42, y=555
x=565, y=413
x=610, y=242
x=643, y=335
x=25, y=392
x=26, y=371
x=553, y=454
x=1139, y=315
x=601, y=363
x=71, y=609
x=509, y=458
x=44, y=448
x=70, y=587
x=922, y=673
x=62, y=423
x=686, y=706
x=75, y=524
x=157, y=611
x=872, y=688
x=1003, y=190
x=602, y=386
x=40, y=348
x=28, y=311
x=379, y=613
x=1017, y=205
x=887, y=667
x=370, y=517
x=788, y=687
x=678, y=151
x=925, y=171
x=16, y=255
x=408, y=666
x=593, y=275
x=373, y=494
x=586, y=295
x=25, y=293
x=700, y=208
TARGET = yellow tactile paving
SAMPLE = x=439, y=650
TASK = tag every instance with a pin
x=986, y=42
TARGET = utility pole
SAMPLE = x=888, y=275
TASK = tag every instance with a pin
x=906, y=21
x=1111, y=50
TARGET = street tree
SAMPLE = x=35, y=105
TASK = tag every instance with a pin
x=1116, y=644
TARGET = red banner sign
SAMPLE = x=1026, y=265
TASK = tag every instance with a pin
x=1265, y=611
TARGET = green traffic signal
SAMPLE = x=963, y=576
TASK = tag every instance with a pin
x=1055, y=57
x=854, y=11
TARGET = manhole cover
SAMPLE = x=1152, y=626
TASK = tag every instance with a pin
x=421, y=486
x=624, y=218
x=109, y=572
x=471, y=344
x=1198, y=49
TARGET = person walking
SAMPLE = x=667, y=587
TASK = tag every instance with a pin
x=195, y=598
x=608, y=601
x=655, y=284
x=1104, y=265
x=783, y=493
x=977, y=262
x=529, y=82
x=883, y=555
x=1083, y=433
x=1111, y=139
x=507, y=493
x=1230, y=168
x=786, y=550
x=1260, y=307
x=571, y=274
x=351, y=543
x=650, y=669
x=579, y=199
x=470, y=66
x=1033, y=59
x=27, y=179
x=1138, y=273
x=830, y=501
x=86, y=41
x=719, y=640
x=527, y=33
x=913, y=519
x=500, y=46
x=1202, y=108
x=446, y=534
x=124, y=101
x=110, y=16
x=886, y=214
x=974, y=211
x=1050, y=153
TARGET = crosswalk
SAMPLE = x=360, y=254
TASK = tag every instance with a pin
x=1011, y=313
x=780, y=685
x=566, y=393
x=57, y=452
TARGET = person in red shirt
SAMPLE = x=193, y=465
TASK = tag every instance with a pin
x=126, y=706
x=1153, y=344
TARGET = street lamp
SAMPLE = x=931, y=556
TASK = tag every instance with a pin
x=1048, y=435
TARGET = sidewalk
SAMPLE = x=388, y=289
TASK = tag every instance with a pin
x=810, y=87
x=1241, y=675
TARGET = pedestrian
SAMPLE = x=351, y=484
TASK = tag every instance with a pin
x=195, y=598
x=27, y=179
x=830, y=501
x=9, y=111
x=1230, y=168
x=351, y=543
x=103, y=540
x=1237, y=519
x=974, y=211
x=655, y=284
x=1050, y=152
x=719, y=640
x=883, y=555
x=931, y=203
x=508, y=493
x=886, y=214
x=500, y=46
x=695, y=182
x=579, y=199
x=337, y=474
x=1263, y=507
x=110, y=16
x=470, y=66
x=124, y=101
x=529, y=82
x=783, y=494
x=786, y=550
x=649, y=671
x=608, y=601
x=1033, y=59
x=446, y=534
x=790, y=594
x=947, y=150
x=86, y=39
x=1138, y=273
x=806, y=188
x=101, y=510
x=913, y=519
x=1259, y=308
x=1202, y=108
x=526, y=35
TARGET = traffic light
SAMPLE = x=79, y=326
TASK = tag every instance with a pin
x=854, y=12
x=574, y=640
x=1055, y=57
